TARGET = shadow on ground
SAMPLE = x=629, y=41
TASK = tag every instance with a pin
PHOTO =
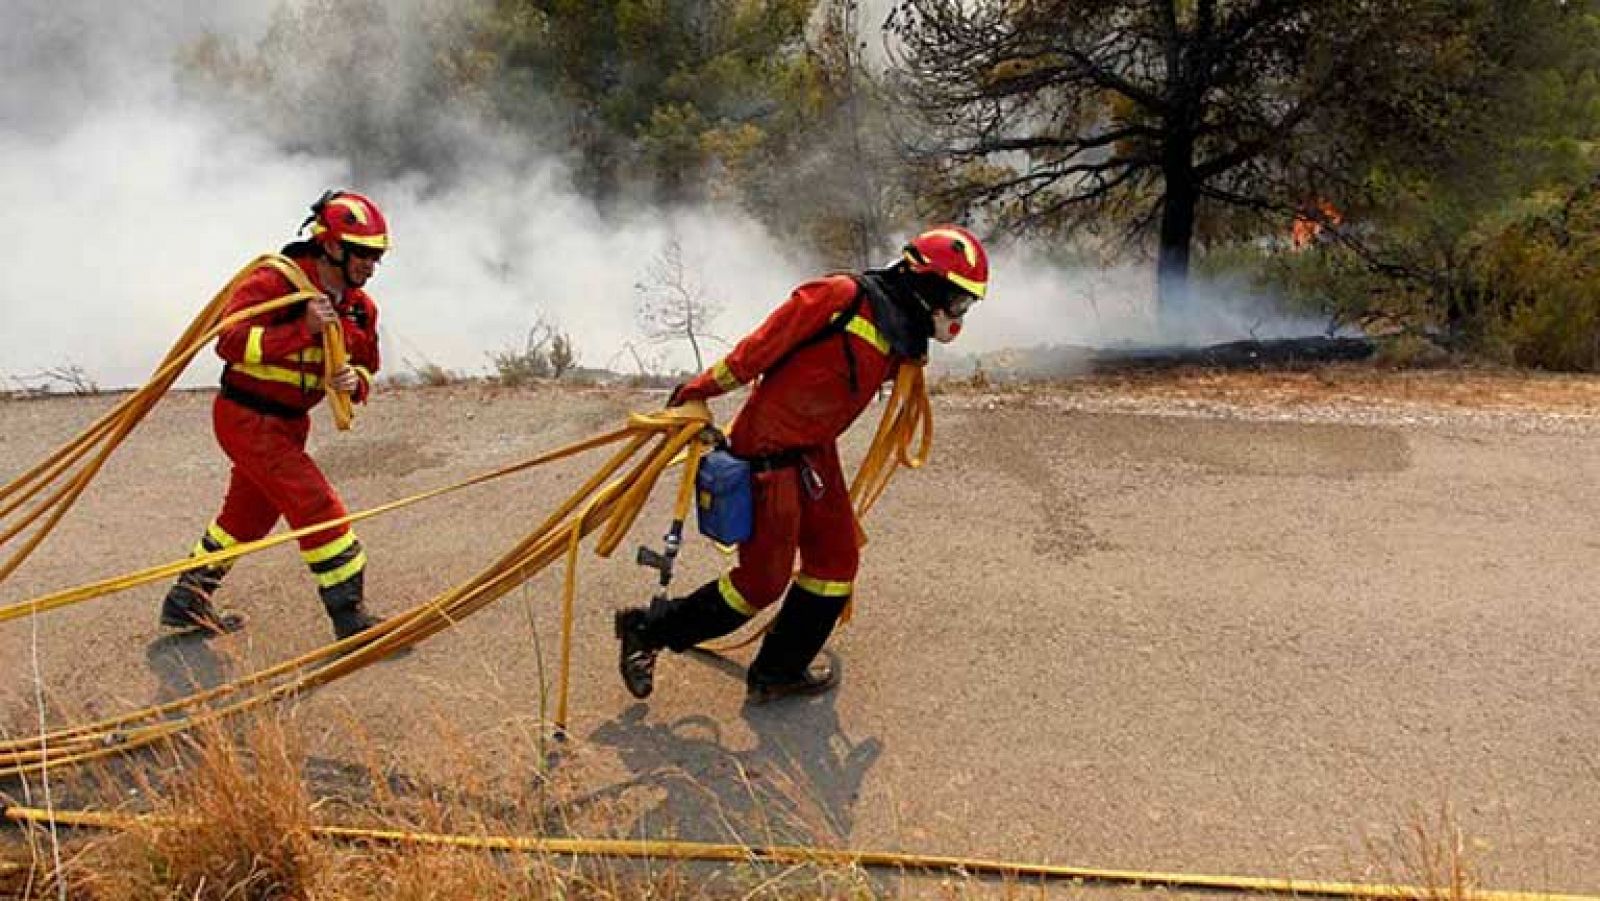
x=799, y=784
x=184, y=663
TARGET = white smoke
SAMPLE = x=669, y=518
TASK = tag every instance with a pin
x=1037, y=303
x=129, y=201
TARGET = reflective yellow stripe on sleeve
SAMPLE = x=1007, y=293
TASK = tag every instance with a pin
x=823, y=587
x=725, y=376
x=252, y=344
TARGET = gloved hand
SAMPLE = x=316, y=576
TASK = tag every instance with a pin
x=345, y=380
x=675, y=399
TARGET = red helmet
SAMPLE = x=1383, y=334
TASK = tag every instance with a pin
x=349, y=218
x=951, y=252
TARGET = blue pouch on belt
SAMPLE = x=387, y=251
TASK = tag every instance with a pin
x=724, y=506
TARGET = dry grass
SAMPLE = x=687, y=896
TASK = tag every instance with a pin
x=236, y=821
x=1430, y=851
x=231, y=817
x=235, y=824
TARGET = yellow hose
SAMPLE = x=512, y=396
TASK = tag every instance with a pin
x=334, y=359
x=835, y=857
x=614, y=505
x=111, y=428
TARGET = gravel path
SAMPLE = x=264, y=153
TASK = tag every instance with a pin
x=1104, y=627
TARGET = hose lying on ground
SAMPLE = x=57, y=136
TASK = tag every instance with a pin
x=614, y=505
x=602, y=503
x=836, y=857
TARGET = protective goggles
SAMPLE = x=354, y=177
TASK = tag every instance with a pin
x=959, y=303
x=363, y=252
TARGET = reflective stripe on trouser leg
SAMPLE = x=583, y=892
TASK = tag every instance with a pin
x=733, y=597
x=701, y=615
x=194, y=587
x=215, y=539
x=337, y=561
x=824, y=588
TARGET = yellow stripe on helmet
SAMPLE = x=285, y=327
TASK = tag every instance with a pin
x=356, y=208
x=376, y=242
x=976, y=289
x=967, y=248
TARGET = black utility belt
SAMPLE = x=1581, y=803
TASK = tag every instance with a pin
x=784, y=459
x=258, y=404
x=792, y=458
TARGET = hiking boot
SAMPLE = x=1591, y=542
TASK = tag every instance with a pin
x=677, y=623
x=352, y=620
x=636, y=657
x=817, y=679
x=787, y=662
x=188, y=607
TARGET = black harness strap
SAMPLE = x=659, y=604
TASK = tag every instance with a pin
x=258, y=404
x=784, y=459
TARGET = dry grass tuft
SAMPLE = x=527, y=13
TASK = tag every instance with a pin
x=1431, y=853
x=235, y=824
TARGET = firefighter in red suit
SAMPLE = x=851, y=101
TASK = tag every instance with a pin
x=816, y=362
x=271, y=379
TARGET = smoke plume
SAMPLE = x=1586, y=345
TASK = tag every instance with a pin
x=132, y=195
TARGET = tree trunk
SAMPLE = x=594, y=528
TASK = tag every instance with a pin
x=699, y=365
x=1177, y=225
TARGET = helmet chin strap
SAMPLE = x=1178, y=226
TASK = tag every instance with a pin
x=344, y=266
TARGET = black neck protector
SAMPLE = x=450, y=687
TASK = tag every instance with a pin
x=897, y=313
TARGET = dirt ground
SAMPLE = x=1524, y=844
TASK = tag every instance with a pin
x=1246, y=624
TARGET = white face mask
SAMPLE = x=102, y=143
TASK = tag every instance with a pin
x=945, y=327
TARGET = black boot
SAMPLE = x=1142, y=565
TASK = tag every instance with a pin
x=346, y=606
x=188, y=606
x=783, y=666
x=679, y=624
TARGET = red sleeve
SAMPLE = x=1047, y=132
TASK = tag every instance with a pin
x=360, y=326
x=807, y=310
x=270, y=337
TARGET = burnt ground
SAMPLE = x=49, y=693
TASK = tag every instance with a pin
x=1236, y=623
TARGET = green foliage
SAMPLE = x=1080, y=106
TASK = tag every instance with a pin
x=1440, y=131
x=1440, y=217
x=1542, y=278
x=649, y=88
x=1183, y=124
x=384, y=86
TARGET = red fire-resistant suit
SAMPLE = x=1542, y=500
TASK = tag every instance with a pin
x=805, y=399
x=273, y=377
